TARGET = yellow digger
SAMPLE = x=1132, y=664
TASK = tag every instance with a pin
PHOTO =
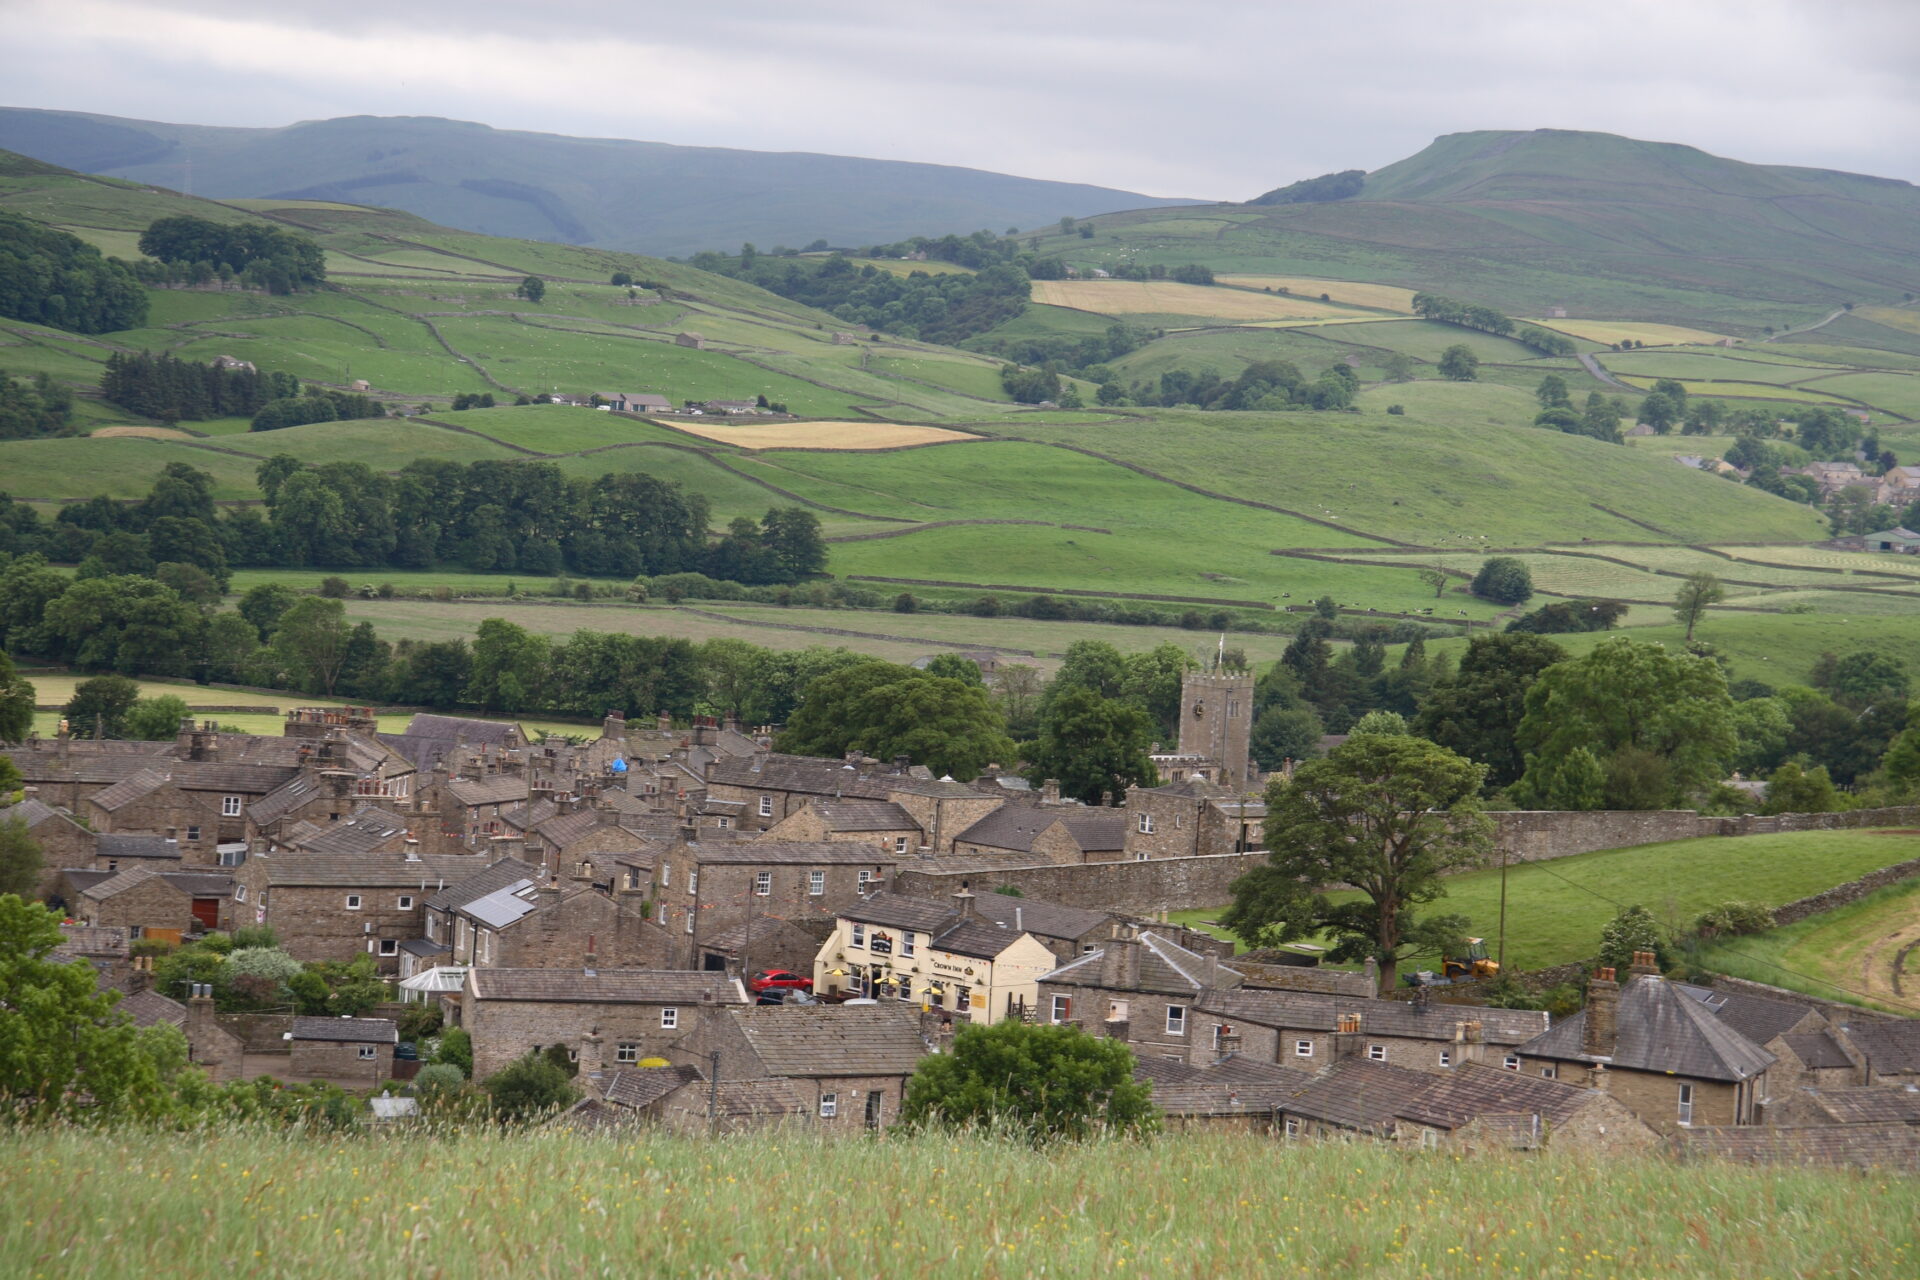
x=1474, y=966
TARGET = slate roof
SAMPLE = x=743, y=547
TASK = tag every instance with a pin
x=927, y=915
x=607, y=986
x=1237, y=1086
x=1473, y=1089
x=347, y=1030
x=1755, y=1017
x=494, y=788
x=364, y=831
x=1878, y=1104
x=763, y=929
x=1166, y=968
x=1660, y=1028
x=366, y=870
x=479, y=884
x=789, y=852
x=427, y=725
x=568, y=827
x=200, y=884
x=834, y=1039
x=218, y=775
x=1861, y=1146
x=1892, y=1045
x=1358, y=1094
x=1016, y=827
x=753, y=1099
x=120, y=882
x=525, y=817
x=864, y=815
x=424, y=947
x=1315, y=1011
x=135, y=846
x=1817, y=1049
x=33, y=811
x=284, y=799
x=135, y=786
x=151, y=1009
x=643, y=1086
x=974, y=938
x=91, y=940
x=804, y=774
x=91, y=761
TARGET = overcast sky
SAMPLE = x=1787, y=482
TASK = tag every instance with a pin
x=1202, y=98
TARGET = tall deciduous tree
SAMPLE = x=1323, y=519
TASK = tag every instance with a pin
x=1048, y=1082
x=101, y=703
x=1094, y=746
x=16, y=702
x=310, y=643
x=1387, y=814
x=20, y=855
x=1459, y=364
x=1698, y=592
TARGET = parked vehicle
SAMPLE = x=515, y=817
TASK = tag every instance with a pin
x=766, y=980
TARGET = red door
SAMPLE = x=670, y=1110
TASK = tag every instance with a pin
x=207, y=912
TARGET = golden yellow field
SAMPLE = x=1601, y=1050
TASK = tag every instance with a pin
x=1163, y=297
x=1387, y=297
x=1658, y=335
x=144, y=433
x=819, y=435
x=261, y=206
x=1741, y=390
x=1892, y=317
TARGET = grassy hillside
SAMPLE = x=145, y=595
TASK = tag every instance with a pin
x=1856, y=953
x=646, y=196
x=492, y=1205
x=1608, y=227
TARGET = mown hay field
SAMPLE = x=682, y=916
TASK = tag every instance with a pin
x=1893, y=317
x=1164, y=297
x=1611, y=331
x=1742, y=390
x=1357, y=293
x=493, y=1205
x=820, y=435
x=142, y=433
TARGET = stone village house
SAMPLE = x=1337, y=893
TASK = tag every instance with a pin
x=942, y=957
x=615, y=1017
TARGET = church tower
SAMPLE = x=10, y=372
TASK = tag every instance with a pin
x=1216, y=721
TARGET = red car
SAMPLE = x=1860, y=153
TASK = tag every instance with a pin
x=778, y=980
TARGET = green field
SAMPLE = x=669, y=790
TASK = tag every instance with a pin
x=1846, y=954
x=489, y=1205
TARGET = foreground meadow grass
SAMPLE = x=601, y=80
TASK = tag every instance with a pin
x=554, y=1204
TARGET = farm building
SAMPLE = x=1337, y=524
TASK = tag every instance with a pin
x=693, y=340
x=1903, y=540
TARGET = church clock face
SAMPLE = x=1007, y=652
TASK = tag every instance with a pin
x=1199, y=710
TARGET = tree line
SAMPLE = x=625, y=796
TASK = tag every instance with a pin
x=945, y=308
x=256, y=254
x=1472, y=315
x=50, y=277
x=36, y=407
x=175, y=390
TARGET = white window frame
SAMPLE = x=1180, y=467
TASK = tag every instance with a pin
x=1446, y=1057
x=1511, y=1062
x=766, y=806
x=816, y=883
x=239, y=893
x=762, y=884
x=906, y=944
x=693, y=883
x=1176, y=1019
x=232, y=806
x=626, y=1051
x=1303, y=1048
x=1145, y=824
x=1685, y=1099
x=1061, y=1010
x=389, y=946
x=963, y=999
x=670, y=1019
x=666, y=875
x=1292, y=1126
x=829, y=1106
x=863, y=880
x=689, y=922
x=899, y=844
x=1376, y=1053
x=353, y=902
x=368, y=1051
x=1550, y=1072
x=403, y=903
x=193, y=833
x=857, y=936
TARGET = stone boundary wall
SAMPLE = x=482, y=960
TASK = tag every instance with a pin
x=1138, y=888
x=1842, y=894
x=1542, y=835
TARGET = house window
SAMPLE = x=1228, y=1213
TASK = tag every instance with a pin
x=693, y=883
x=816, y=883
x=1686, y=1104
x=1221, y=1031
x=858, y=937
x=666, y=875
x=1550, y=1072
x=239, y=893
x=1176, y=1019
x=906, y=986
x=829, y=1105
x=766, y=806
x=353, y=902
x=486, y=946
x=1062, y=1008
x=1140, y=856
x=404, y=902
x=1376, y=1053
x=899, y=844
x=906, y=945
x=863, y=881
x=669, y=1019
x=689, y=922
x=963, y=1000
x=763, y=884
x=366, y=1051
x=626, y=1051
x=1303, y=1048
x=723, y=822
x=389, y=947
x=193, y=833
x=1511, y=1063
x=633, y=877
x=1430, y=1139
x=1146, y=824
x=1446, y=1057
x=229, y=806
x=1293, y=1126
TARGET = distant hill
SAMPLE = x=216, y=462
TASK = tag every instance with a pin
x=645, y=197
x=1532, y=219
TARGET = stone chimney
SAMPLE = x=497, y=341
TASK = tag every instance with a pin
x=1346, y=1036
x=1644, y=966
x=591, y=1060
x=663, y=723
x=1210, y=976
x=732, y=723
x=614, y=726
x=702, y=732
x=1227, y=1043
x=1600, y=1029
x=1050, y=791
x=1120, y=960
x=963, y=903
